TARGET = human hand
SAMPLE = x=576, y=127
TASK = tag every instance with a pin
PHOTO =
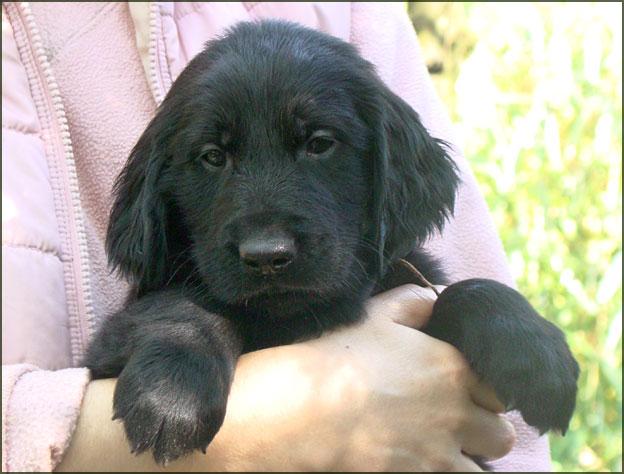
x=376, y=396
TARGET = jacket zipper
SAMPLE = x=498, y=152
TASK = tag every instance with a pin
x=159, y=76
x=49, y=105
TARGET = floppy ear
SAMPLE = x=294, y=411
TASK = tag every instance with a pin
x=415, y=180
x=136, y=240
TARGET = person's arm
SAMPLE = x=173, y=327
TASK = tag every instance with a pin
x=376, y=396
x=39, y=412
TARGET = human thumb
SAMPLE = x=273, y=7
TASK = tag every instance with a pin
x=408, y=305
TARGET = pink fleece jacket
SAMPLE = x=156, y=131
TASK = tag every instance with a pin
x=74, y=101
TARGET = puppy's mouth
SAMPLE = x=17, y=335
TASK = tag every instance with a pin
x=270, y=290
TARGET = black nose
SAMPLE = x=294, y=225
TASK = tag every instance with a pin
x=267, y=254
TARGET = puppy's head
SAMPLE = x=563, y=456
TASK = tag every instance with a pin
x=279, y=167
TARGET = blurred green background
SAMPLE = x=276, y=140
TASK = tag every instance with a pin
x=535, y=92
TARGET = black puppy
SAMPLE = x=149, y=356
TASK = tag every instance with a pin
x=274, y=191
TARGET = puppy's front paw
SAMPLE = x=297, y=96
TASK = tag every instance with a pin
x=167, y=409
x=510, y=346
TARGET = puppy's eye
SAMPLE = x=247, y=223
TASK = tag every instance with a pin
x=212, y=156
x=319, y=144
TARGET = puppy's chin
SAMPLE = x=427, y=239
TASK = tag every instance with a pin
x=282, y=303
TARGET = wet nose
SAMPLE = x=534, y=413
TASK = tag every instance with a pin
x=267, y=255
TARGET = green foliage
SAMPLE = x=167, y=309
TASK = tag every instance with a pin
x=535, y=91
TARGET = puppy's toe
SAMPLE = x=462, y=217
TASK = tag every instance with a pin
x=180, y=435
x=545, y=395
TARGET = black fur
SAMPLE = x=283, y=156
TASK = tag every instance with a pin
x=376, y=194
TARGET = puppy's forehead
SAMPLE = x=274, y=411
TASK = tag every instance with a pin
x=276, y=81
x=284, y=94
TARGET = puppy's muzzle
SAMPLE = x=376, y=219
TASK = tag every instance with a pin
x=267, y=252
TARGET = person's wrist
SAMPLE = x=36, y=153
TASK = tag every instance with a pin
x=277, y=399
x=310, y=395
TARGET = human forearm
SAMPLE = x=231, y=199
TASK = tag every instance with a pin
x=262, y=412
